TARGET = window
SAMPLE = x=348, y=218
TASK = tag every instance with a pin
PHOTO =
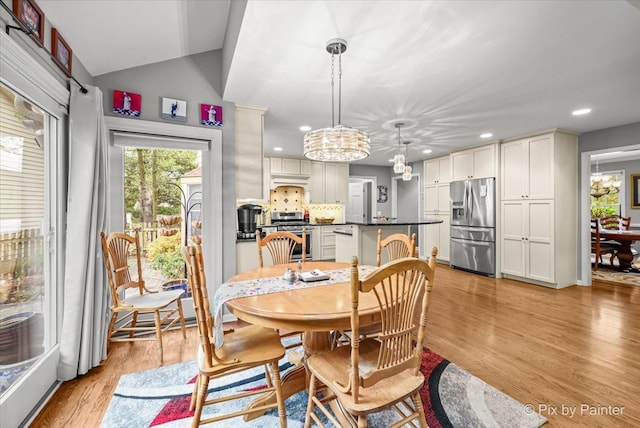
x=606, y=188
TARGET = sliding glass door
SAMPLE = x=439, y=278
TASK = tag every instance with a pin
x=28, y=315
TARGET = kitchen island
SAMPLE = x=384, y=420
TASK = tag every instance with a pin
x=361, y=239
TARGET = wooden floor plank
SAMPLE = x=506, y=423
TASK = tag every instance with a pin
x=571, y=347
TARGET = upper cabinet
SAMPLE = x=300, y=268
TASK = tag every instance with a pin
x=529, y=168
x=289, y=166
x=249, y=124
x=437, y=171
x=479, y=162
x=329, y=183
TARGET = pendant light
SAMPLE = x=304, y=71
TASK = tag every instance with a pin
x=406, y=173
x=338, y=143
x=398, y=159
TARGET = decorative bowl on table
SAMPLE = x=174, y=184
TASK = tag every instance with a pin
x=325, y=220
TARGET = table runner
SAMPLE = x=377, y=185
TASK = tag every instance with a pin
x=258, y=286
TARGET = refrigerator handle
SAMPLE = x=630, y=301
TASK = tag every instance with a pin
x=468, y=201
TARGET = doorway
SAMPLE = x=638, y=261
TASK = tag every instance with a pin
x=126, y=134
x=362, y=204
x=405, y=201
x=587, y=162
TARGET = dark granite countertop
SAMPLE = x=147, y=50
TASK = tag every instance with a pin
x=398, y=222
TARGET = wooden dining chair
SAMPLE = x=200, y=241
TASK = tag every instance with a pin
x=397, y=245
x=128, y=308
x=615, y=222
x=243, y=349
x=373, y=374
x=599, y=247
x=281, y=245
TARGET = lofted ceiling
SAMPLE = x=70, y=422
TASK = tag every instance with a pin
x=451, y=70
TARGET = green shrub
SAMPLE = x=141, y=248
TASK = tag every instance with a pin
x=162, y=245
x=165, y=255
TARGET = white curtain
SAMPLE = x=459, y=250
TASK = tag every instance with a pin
x=85, y=295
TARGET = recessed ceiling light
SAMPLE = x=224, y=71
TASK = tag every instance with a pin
x=486, y=135
x=390, y=160
x=277, y=149
x=305, y=128
x=581, y=111
x=427, y=151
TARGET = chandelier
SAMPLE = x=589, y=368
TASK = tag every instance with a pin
x=398, y=160
x=602, y=185
x=338, y=143
x=406, y=173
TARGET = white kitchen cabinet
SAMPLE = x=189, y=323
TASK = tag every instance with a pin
x=437, y=171
x=539, y=218
x=436, y=205
x=436, y=235
x=247, y=256
x=329, y=183
x=479, y=162
x=528, y=238
x=530, y=166
x=323, y=242
x=289, y=166
x=249, y=123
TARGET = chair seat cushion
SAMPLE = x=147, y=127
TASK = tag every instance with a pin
x=153, y=300
x=613, y=244
x=334, y=365
x=249, y=345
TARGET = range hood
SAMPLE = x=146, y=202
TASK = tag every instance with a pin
x=289, y=180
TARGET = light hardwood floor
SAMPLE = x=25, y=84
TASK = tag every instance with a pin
x=575, y=347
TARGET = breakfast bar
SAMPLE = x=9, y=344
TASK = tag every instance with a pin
x=360, y=239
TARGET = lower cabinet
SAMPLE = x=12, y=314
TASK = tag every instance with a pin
x=323, y=243
x=436, y=235
x=528, y=240
x=247, y=256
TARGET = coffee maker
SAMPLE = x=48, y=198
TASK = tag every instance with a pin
x=247, y=220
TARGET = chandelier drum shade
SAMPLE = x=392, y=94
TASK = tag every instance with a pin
x=339, y=143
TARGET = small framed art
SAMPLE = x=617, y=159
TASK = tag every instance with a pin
x=210, y=115
x=31, y=16
x=173, y=109
x=126, y=103
x=61, y=52
x=635, y=190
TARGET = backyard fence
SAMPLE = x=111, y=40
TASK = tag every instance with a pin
x=20, y=251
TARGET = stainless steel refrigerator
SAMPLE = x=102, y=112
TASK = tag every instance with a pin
x=473, y=225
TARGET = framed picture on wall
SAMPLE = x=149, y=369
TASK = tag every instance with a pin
x=635, y=190
x=31, y=16
x=173, y=109
x=61, y=52
x=210, y=115
x=126, y=103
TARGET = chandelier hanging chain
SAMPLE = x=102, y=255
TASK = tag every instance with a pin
x=333, y=114
x=339, y=86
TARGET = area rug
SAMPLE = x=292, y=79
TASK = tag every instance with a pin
x=451, y=398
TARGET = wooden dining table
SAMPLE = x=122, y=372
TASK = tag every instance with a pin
x=625, y=238
x=315, y=311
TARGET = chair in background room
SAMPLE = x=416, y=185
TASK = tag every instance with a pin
x=398, y=246
x=599, y=247
x=615, y=222
x=127, y=308
x=243, y=348
x=373, y=374
x=281, y=245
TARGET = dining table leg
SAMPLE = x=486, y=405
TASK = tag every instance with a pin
x=625, y=256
